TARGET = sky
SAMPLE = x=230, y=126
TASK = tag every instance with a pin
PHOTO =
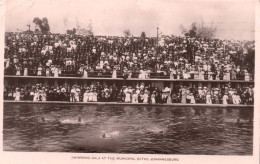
x=234, y=19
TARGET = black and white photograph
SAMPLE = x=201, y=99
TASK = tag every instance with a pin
x=145, y=77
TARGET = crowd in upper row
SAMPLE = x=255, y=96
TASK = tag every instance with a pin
x=140, y=93
x=135, y=57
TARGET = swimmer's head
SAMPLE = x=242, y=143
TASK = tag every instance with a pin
x=79, y=119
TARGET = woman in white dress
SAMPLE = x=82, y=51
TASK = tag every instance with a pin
x=225, y=99
x=172, y=73
x=192, y=99
x=145, y=97
x=17, y=95
x=208, y=98
x=90, y=97
x=86, y=96
x=185, y=75
x=227, y=76
x=201, y=75
x=141, y=74
x=25, y=72
x=238, y=99
x=85, y=73
x=114, y=75
x=169, y=99
x=36, y=96
x=153, y=98
x=247, y=76
x=47, y=72
x=200, y=92
x=127, y=97
x=77, y=94
x=39, y=73
x=135, y=97
x=43, y=95
x=7, y=63
x=56, y=71
x=95, y=95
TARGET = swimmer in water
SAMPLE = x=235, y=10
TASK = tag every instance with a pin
x=79, y=119
x=110, y=135
x=238, y=120
x=43, y=119
x=103, y=134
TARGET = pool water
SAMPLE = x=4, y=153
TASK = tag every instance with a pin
x=128, y=129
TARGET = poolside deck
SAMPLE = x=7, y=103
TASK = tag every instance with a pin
x=128, y=104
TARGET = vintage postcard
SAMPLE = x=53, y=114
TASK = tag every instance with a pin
x=133, y=81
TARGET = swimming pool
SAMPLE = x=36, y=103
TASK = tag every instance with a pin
x=128, y=129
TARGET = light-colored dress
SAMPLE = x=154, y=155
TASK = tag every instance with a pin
x=234, y=99
x=39, y=73
x=114, y=75
x=192, y=99
x=90, y=98
x=17, y=96
x=7, y=63
x=36, y=96
x=183, y=96
x=85, y=73
x=208, y=99
x=95, y=96
x=85, y=98
x=141, y=75
x=153, y=98
x=127, y=97
x=135, y=98
x=25, y=73
x=169, y=99
x=56, y=72
x=247, y=77
x=171, y=75
x=145, y=97
x=43, y=96
x=77, y=96
x=225, y=98
x=201, y=76
x=238, y=99
x=47, y=72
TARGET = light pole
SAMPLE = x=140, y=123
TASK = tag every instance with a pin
x=157, y=51
x=29, y=25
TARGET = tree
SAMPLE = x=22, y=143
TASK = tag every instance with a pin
x=143, y=35
x=88, y=31
x=193, y=30
x=73, y=31
x=183, y=29
x=200, y=30
x=206, y=31
x=43, y=24
x=127, y=33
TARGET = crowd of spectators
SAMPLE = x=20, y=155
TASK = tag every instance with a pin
x=134, y=57
x=141, y=93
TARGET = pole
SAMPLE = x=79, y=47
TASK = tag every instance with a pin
x=157, y=49
x=29, y=26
